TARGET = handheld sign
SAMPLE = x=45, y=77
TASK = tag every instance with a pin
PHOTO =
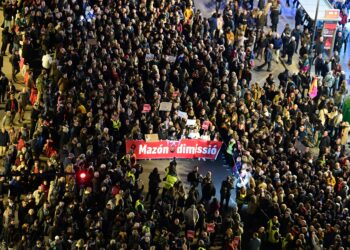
x=165, y=106
x=146, y=108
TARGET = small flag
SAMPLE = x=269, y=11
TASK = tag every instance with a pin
x=313, y=88
x=119, y=105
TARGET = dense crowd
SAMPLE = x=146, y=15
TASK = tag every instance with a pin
x=90, y=66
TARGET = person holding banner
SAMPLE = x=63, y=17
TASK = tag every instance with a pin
x=208, y=188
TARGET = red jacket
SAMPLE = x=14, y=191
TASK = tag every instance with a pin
x=344, y=18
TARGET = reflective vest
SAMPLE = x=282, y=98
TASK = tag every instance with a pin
x=201, y=248
x=146, y=229
x=139, y=204
x=116, y=124
x=169, y=181
x=229, y=149
x=130, y=174
x=241, y=198
x=272, y=232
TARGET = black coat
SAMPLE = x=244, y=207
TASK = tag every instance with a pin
x=325, y=142
x=290, y=47
x=275, y=13
x=3, y=83
x=299, y=16
x=319, y=48
x=297, y=34
x=4, y=138
x=6, y=36
x=9, y=104
x=154, y=180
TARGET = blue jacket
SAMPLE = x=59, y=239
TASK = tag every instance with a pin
x=213, y=23
x=268, y=55
x=277, y=43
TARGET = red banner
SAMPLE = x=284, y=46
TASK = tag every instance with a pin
x=185, y=149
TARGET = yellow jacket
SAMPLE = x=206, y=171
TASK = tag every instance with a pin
x=188, y=14
x=230, y=37
x=331, y=181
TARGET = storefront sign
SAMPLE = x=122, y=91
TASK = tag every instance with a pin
x=329, y=30
x=332, y=14
x=184, y=149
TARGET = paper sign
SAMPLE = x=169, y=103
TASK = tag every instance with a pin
x=151, y=137
x=149, y=57
x=146, y=108
x=182, y=114
x=92, y=41
x=206, y=124
x=191, y=122
x=165, y=106
x=170, y=59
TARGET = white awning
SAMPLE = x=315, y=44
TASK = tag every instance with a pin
x=310, y=8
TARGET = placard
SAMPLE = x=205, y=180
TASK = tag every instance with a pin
x=206, y=124
x=191, y=122
x=165, y=106
x=182, y=114
x=146, y=108
x=149, y=57
x=170, y=59
x=92, y=41
x=151, y=137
